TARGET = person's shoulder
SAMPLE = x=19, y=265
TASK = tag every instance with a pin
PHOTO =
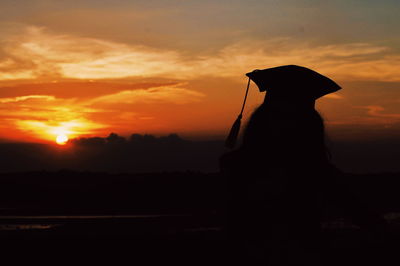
x=231, y=159
x=333, y=169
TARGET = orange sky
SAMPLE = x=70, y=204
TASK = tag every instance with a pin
x=59, y=78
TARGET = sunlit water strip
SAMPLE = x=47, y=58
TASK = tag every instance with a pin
x=74, y=217
x=17, y=227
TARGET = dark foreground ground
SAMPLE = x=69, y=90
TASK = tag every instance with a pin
x=177, y=240
x=160, y=219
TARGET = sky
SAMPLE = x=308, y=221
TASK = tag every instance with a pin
x=89, y=68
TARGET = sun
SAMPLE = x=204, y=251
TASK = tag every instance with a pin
x=61, y=139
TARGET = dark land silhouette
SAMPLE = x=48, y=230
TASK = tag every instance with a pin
x=114, y=154
x=179, y=216
x=148, y=153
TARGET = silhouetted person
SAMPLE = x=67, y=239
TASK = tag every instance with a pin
x=280, y=178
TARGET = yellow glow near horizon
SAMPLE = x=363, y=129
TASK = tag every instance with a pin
x=62, y=139
x=57, y=131
x=62, y=133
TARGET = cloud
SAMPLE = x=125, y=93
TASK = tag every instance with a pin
x=70, y=56
x=376, y=111
x=51, y=128
x=27, y=97
x=334, y=96
x=168, y=94
x=355, y=61
x=43, y=108
x=36, y=52
x=373, y=115
x=41, y=116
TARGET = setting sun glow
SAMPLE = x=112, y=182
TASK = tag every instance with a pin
x=61, y=139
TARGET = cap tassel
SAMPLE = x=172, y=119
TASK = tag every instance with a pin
x=231, y=140
x=234, y=133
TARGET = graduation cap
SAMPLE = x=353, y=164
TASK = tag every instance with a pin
x=285, y=83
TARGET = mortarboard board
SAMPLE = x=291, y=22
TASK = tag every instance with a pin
x=290, y=82
x=293, y=81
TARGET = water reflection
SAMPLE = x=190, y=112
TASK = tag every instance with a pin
x=45, y=222
x=17, y=227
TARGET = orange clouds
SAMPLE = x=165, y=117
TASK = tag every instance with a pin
x=55, y=55
x=378, y=112
x=370, y=115
x=171, y=94
x=26, y=97
x=333, y=96
x=49, y=130
x=40, y=53
x=45, y=116
x=78, y=86
x=42, y=117
x=355, y=61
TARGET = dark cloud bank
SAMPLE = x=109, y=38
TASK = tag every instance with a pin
x=147, y=153
x=138, y=153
